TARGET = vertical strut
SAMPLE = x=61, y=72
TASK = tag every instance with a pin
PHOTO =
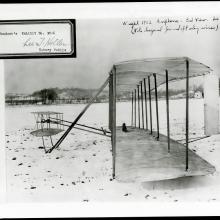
x=145, y=97
x=149, y=89
x=132, y=108
x=187, y=112
x=114, y=120
x=110, y=102
x=111, y=122
x=135, y=108
x=139, y=120
x=142, y=105
x=168, y=118
x=156, y=100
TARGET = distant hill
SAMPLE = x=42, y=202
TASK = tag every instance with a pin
x=80, y=95
x=72, y=93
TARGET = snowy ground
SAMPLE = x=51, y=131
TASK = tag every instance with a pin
x=81, y=169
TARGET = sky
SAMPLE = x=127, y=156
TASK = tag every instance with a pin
x=101, y=43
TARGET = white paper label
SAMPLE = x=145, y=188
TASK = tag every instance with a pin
x=36, y=38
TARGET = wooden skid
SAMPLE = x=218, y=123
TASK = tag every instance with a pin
x=140, y=157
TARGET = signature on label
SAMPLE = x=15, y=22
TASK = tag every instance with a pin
x=44, y=42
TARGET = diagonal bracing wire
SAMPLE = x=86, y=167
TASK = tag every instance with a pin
x=79, y=116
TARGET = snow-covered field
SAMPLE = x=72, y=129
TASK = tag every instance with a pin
x=81, y=168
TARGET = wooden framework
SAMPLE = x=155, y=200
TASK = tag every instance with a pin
x=145, y=97
x=142, y=105
x=132, y=75
x=43, y=123
x=168, y=117
x=149, y=90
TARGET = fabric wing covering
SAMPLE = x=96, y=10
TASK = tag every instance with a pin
x=130, y=73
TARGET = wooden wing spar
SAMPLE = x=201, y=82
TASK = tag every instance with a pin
x=130, y=73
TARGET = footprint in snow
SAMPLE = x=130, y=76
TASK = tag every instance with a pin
x=20, y=164
x=33, y=187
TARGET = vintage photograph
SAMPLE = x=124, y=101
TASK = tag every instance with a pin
x=112, y=110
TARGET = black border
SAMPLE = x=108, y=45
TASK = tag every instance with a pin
x=43, y=55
